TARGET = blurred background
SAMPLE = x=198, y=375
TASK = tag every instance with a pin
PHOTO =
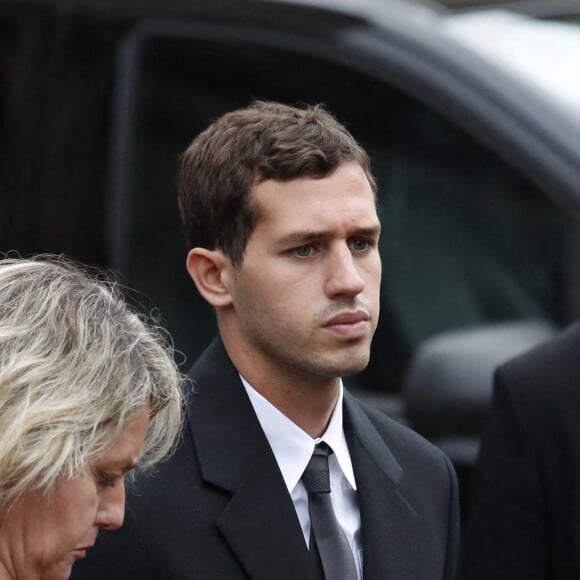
x=470, y=112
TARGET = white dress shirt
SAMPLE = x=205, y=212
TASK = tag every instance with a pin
x=293, y=448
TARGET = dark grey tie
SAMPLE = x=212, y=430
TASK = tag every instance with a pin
x=333, y=548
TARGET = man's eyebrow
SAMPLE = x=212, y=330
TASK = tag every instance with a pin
x=305, y=236
x=367, y=232
x=300, y=237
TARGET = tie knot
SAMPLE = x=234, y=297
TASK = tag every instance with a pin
x=316, y=477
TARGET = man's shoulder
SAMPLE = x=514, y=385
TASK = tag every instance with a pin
x=547, y=374
x=406, y=445
x=409, y=461
x=562, y=347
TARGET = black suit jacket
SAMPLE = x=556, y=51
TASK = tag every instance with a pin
x=219, y=508
x=525, y=519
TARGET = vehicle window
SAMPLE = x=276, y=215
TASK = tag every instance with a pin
x=466, y=240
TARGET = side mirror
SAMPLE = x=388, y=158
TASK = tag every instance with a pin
x=448, y=386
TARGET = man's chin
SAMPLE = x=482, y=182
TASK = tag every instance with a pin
x=350, y=371
x=350, y=366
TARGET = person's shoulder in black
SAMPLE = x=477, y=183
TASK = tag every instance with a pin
x=523, y=521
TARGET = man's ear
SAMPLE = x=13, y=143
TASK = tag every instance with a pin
x=210, y=270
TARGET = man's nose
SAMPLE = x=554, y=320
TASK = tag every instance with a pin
x=111, y=510
x=343, y=276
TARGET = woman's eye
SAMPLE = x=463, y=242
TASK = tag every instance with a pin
x=106, y=481
x=303, y=251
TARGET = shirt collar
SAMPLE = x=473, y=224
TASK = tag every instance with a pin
x=293, y=447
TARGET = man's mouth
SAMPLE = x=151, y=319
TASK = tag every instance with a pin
x=349, y=325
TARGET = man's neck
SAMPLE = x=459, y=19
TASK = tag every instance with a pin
x=306, y=400
x=308, y=407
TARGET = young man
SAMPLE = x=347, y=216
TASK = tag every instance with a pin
x=278, y=205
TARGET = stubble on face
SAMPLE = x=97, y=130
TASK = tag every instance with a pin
x=272, y=340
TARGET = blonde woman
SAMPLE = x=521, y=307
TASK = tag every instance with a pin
x=88, y=392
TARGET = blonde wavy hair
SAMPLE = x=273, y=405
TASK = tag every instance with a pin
x=76, y=365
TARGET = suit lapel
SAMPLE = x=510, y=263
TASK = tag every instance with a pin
x=259, y=522
x=262, y=529
x=389, y=523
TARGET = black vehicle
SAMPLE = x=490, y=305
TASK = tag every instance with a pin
x=478, y=167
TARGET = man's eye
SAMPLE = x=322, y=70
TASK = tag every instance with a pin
x=360, y=245
x=303, y=251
